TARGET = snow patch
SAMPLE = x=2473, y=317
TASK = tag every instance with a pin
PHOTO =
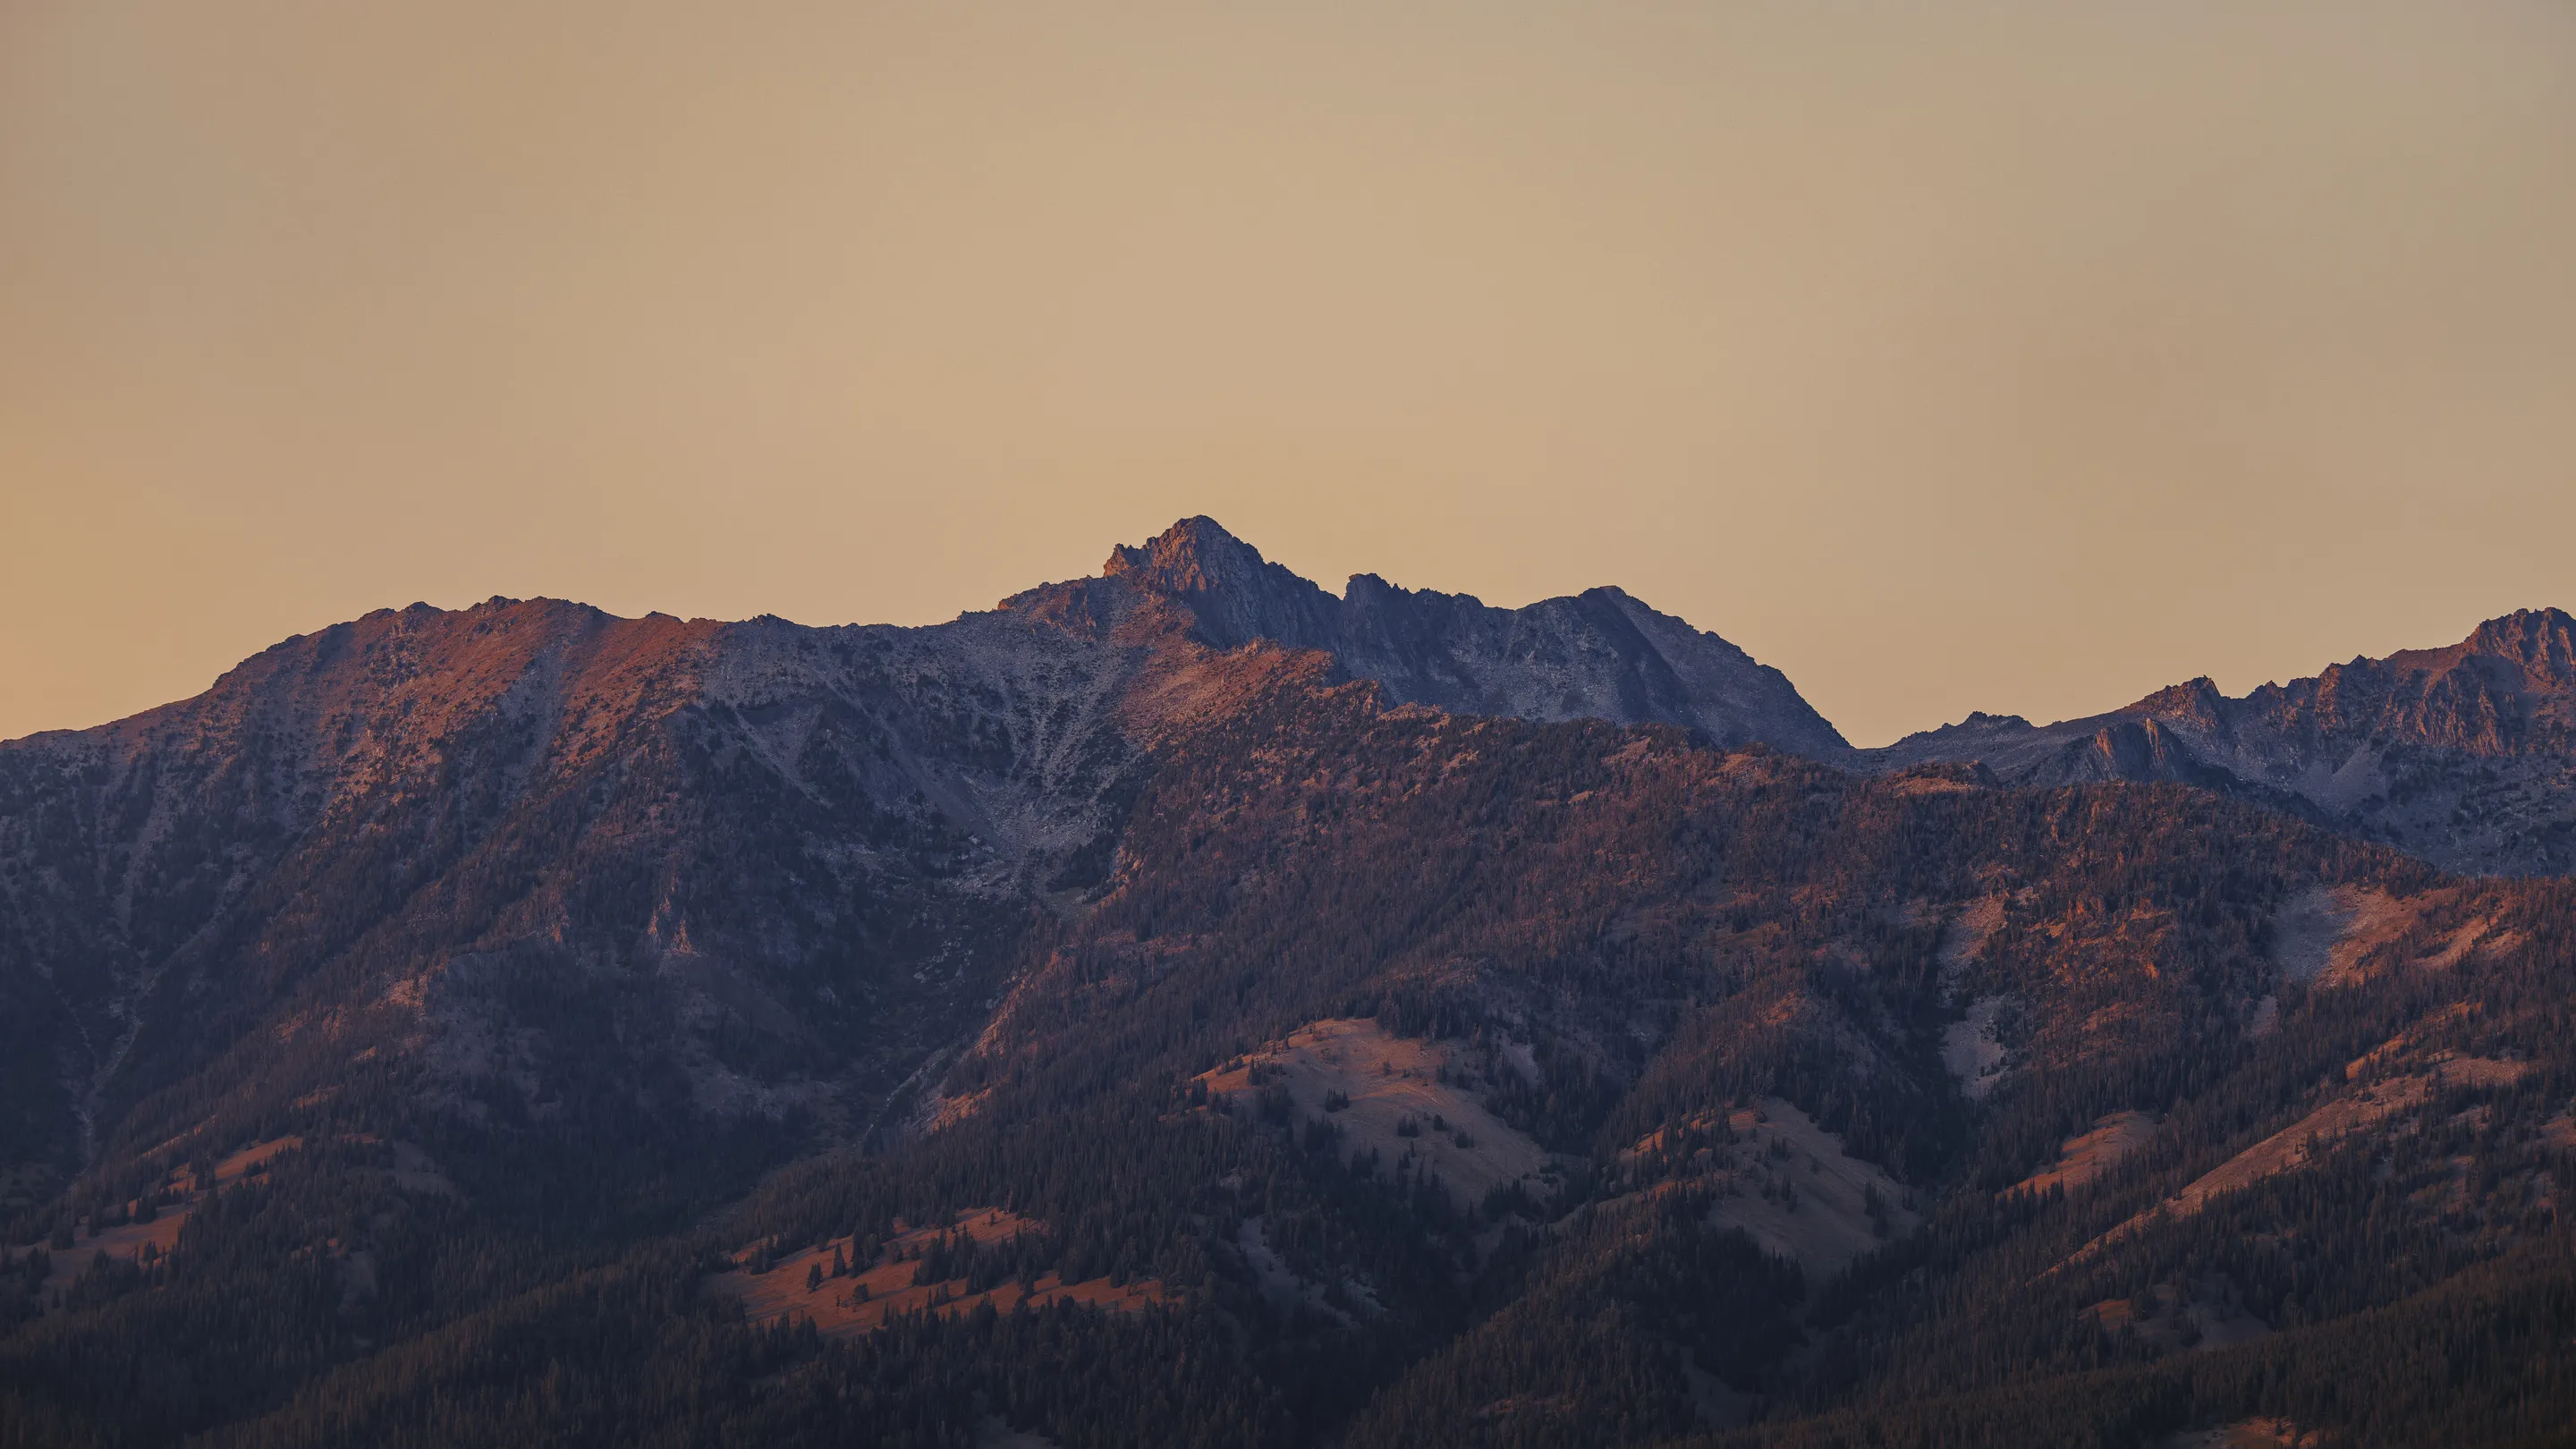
x=1972, y=1048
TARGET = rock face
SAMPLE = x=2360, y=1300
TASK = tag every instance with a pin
x=2464, y=755
x=1597, y=655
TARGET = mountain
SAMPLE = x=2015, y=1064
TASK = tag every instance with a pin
x=1114, y=1018
x=714, y=871
x=1597, y=655
x=788, y=853
x=2464, y=755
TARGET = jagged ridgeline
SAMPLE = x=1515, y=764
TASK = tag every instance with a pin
x=1184, y=1007
x=2464, y=755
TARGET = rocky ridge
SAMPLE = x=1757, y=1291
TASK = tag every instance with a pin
x=2463, y=755
x=1600, y=654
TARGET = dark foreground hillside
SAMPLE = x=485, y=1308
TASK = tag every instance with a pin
x=1397, y=1078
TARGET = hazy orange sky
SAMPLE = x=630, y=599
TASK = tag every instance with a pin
x=2021, y=357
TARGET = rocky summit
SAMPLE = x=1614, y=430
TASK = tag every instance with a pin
x=1596, y=655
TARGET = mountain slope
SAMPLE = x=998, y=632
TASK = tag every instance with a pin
x=1706, y=985
x=1690, y=992
x=776, y=842
x=2464, y=755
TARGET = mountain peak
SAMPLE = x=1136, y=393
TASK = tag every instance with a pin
x=2542, y=641
x=1192, y=556
x=1602, y=654
x=2197, y=700
x=1232, y=592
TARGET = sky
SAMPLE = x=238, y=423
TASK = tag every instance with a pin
x=2022, y=357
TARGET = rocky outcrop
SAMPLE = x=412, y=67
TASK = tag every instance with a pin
x=2464, y=755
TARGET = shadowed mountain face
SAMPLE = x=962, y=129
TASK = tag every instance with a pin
x=2465, y=756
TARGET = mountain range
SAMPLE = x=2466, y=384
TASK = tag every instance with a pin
x=387, y=802
x=2461, y=755
x=1181, y=1005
